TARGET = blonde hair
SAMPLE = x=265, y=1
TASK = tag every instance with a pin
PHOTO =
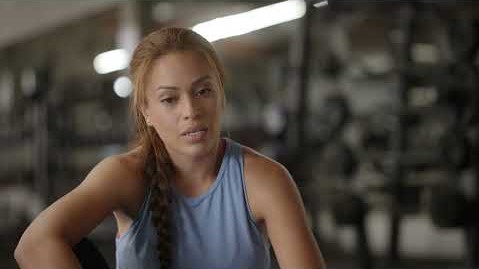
x=158, y=168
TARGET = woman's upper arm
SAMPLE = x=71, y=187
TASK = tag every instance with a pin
x=78, y=212
x=279, y=204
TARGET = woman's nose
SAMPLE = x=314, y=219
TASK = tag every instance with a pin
x=190, y=108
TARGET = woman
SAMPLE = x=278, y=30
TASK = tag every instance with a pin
x=183, y=197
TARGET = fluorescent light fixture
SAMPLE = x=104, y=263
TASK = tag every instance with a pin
x=122, y=87
x=111, y=61
x=252, y=20
x=321, y=4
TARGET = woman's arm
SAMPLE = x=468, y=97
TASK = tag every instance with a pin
x=48, y=241
x=277, y=202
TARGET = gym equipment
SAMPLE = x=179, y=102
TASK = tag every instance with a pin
x=463, y=37
x=456, y=150
x=335, y=112
x=376, y=130
x=331, y=66
x=338, y=159
x=448, y=207
x=349, y=209
x=407, y=23
x=457, y=86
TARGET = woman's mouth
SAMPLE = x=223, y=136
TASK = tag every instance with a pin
x=195, y=134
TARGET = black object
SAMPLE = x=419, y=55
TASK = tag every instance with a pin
x=448, y=207
x=456, y=150
x=457, y=85
x=348, y=208
x=338, y=159
x=334, y=114
x=89, y=256
x=377, y=129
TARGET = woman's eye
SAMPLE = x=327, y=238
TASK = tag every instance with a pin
x=203, y=91
x=168, y=100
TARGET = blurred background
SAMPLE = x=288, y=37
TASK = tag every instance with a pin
x=372, y=106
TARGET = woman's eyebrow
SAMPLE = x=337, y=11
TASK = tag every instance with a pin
x=166, y=88
x=201, y=79
x=197, y=81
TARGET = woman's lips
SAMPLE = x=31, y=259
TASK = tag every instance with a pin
x=196, y=136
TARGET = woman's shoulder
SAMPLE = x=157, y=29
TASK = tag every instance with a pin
x=259, y=165
x=130, y=161
x=125, y=171
x=266, y=181
x=122, y=167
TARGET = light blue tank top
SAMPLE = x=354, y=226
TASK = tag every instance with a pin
x=213, y=230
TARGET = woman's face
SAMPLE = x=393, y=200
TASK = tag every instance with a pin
x=184, y=103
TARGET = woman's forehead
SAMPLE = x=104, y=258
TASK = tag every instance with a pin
x=179, y=68
x=180, y=60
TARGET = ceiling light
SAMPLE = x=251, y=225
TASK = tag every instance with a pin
x=111, y=61
x=246, y=22
x=122, y=87
x=321, y=4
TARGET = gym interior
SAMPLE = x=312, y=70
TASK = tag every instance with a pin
x=367, y=103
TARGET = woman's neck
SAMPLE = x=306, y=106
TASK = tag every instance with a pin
x=191, y=172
